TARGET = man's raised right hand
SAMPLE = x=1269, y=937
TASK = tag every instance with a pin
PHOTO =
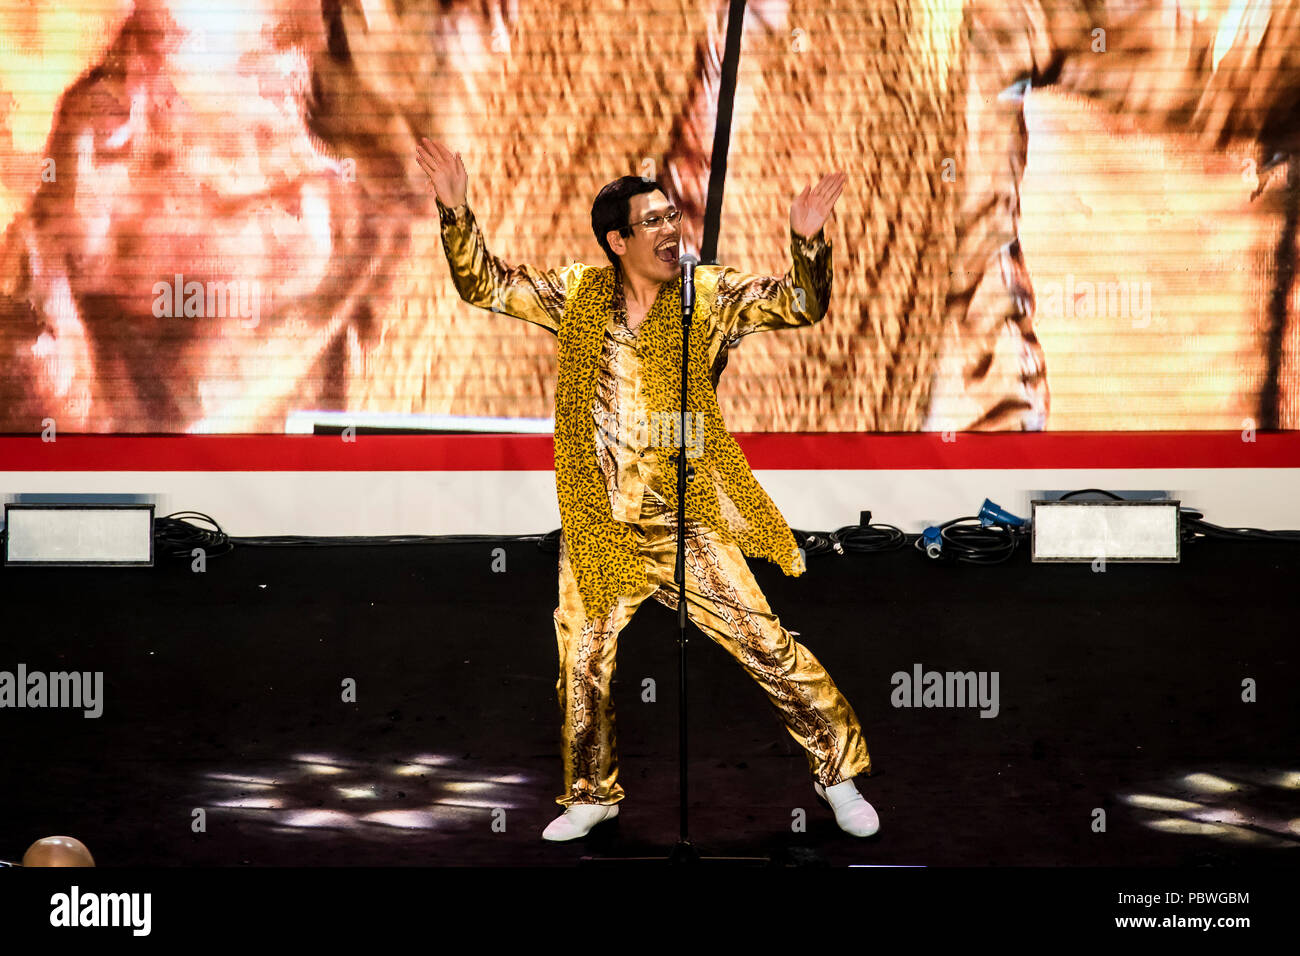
x=446, y=171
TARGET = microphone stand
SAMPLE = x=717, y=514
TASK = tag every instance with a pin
x=684, y=851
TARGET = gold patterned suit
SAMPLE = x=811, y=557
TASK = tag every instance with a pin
x=723, y=599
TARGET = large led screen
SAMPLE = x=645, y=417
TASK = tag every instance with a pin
x=1062, y=214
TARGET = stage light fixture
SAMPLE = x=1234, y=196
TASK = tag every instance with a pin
x=1110, y=530
x=79, y=535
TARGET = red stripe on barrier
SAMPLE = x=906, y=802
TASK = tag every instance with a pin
x=806, y=450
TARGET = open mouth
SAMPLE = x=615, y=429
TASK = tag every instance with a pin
x=667, y=252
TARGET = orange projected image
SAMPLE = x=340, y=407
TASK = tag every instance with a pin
x=1057, y=214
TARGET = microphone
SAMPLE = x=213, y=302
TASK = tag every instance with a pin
x=688, y=263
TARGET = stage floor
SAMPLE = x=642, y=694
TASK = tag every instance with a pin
x=224, y=692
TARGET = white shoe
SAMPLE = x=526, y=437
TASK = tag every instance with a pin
x=578, y=820
x=852, y=812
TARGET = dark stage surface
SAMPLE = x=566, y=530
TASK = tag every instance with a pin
x=1119, y=690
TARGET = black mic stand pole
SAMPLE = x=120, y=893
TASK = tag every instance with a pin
x=684, y=851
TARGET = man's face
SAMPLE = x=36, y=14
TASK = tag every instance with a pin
x=649, y=253
x=188, y=153
x=185, y=161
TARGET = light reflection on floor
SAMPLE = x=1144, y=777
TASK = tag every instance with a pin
x=1238, y=805
x=318, y=794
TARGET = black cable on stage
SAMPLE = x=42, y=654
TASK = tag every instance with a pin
x=863, y=537
x=344, y=541
x=1091, y=491
x=1192, y=527
x=175, y=537
x=178, y=538
x=815, y=543
x=977, y=543
x=868, y=537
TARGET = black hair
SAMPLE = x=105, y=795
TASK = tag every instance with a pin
x=612, y=207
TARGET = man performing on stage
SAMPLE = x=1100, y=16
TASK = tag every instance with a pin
x=619, y=330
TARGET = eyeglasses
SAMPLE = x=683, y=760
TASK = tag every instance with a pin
x=654, y=222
